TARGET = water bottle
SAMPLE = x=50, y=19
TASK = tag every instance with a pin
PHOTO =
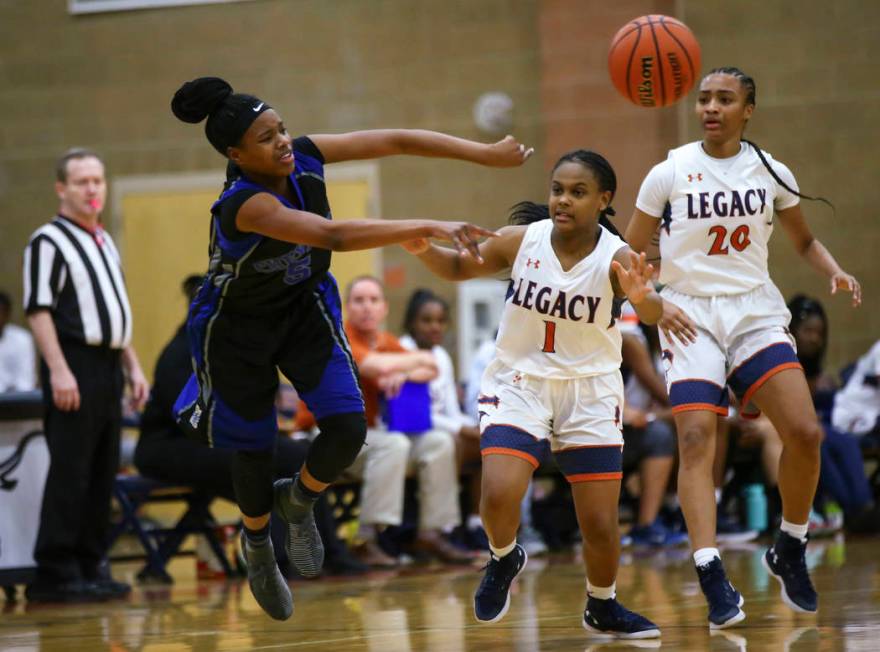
x=756, y=507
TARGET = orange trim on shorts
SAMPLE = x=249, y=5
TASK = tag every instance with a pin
x=767, y=376
x=499, y=450
x=579, y=446
x=592, y=477
x=755, y=354
x=750, y=417
x=693, y=407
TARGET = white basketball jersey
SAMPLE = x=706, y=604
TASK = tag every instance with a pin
x=718, y=220
x=559, y=324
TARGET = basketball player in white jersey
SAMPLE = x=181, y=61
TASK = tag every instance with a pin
x=713, y=202
x=555, y=383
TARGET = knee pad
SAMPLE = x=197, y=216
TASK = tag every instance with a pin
x=252, y=477
x=339, y=441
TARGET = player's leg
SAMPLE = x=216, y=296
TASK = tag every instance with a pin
x=514, y=422
x=239, y=414
x=596, y=506
x=588, y=447
x=785, y=399
x=506, y=476
x=696, y=380
x=766, y=373
x=316, y=358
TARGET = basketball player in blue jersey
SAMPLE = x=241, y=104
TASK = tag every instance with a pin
x=555, y=382
x=269, y=303
x=713, y=202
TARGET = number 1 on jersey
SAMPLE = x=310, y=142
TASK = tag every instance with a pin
x=549, y=337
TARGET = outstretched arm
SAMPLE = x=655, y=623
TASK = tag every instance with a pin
x=377, y=143
x=631, y=276
x=494, y=255
x=815, y=253
x=264, y=214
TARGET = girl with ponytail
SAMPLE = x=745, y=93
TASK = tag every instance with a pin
x=555, y=384
x=269, y=303
x=713, y=202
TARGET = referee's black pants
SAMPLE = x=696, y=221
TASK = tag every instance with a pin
x=83, y=461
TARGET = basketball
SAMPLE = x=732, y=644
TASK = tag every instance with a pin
x=654, y=60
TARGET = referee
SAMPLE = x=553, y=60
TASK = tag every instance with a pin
x=78, y=310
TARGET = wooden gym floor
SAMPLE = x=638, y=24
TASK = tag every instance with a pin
x=430, y=609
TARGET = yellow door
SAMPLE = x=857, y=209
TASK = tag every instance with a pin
x=164, y=238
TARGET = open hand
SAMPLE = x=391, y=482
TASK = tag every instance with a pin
x=635, y=281
x=848, y=282
x=507, y=153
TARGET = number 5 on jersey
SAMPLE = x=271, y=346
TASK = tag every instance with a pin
x=739, y=239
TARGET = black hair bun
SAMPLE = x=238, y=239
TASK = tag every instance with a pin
x=197, y=99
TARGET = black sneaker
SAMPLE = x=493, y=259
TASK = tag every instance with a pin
x=724, y=600
x=611, y=618
x=785, y=561
x=492, y=599
x=269, y=587
x=305, y=550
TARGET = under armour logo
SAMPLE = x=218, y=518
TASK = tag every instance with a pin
x=536, y=263
x=698, y=177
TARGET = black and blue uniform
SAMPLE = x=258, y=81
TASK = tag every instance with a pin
x=266, y=305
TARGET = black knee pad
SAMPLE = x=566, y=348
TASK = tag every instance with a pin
x=252, y=477
x=334, y=449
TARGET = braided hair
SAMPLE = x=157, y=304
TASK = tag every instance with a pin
x=748, y=83
x=526, y=212
x=229, y=114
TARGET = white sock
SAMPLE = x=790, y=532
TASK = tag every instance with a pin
x=601, y=592
x=502, y=552
x=705, y=555
x=797, y=531
x=718, y=496
x=474, y=521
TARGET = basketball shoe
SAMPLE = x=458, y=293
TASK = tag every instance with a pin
x=611, y=618
x=492, y=599
x=785, y=560
x=269, y=587
x=724, y=600
x=305, y=549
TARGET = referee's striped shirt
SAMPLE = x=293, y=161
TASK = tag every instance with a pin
x=76, y=274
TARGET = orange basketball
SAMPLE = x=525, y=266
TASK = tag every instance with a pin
x=654, y=60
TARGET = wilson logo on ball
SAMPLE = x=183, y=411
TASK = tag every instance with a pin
x=654, y=60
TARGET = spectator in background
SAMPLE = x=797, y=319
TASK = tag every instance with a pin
x=18, y=363
x=165, y=452
x=857, y=405
x=842, y=473
x=425, y=323
x=648, y=434
x=78, y=311
x=384, y=366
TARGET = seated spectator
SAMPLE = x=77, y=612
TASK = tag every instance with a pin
x=855, y=413
x=384, y=366
x=425, y=324
x=857, y=405
x=18, y=361
x=165, y=453
x=648, y=433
